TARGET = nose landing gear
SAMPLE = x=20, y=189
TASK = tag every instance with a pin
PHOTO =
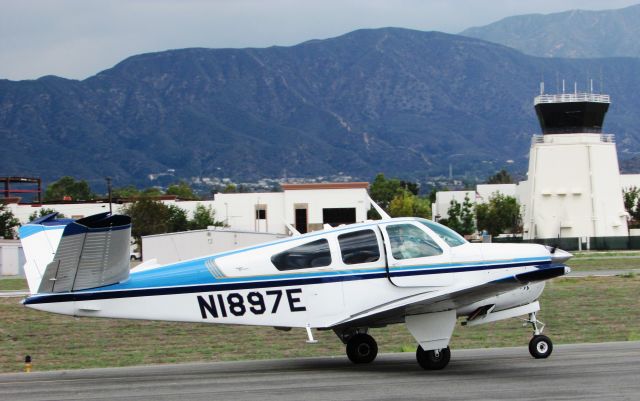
x=540, y=346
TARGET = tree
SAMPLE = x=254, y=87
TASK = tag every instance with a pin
x=635, y=212
x=182, y=190
x=500, y=215
x=501, y=177
x=152, y=191
x=203, y=217
x=407, y=204
x=177, y=220
x=8, y=223
x=461, y=216
x=147, y=217
x=43, y=212
x=453, y=216
x=631, y=199
x=410, y=186
x=230, y=189
x=127, y=192
x=467, y=217
x=383, y=190
x=68, y=187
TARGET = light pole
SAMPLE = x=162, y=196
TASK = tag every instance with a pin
x=109, y=190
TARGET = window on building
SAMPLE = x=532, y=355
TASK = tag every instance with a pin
x=338, y=215
x=301, y=220
x=261, y=214
x=408, y=242
x=312, y=254
x=359, y=247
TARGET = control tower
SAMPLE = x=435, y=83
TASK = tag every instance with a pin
x=573, y=186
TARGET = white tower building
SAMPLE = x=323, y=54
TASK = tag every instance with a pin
x=573, y=187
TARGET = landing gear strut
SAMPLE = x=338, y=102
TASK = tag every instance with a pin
x=362, y=348
x=540, y=346
x=433, y=359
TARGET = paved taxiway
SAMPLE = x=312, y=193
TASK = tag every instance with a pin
x=608, y=371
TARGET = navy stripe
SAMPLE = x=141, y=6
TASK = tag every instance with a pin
x=88, y=296
x=465, y=269
x=146, y=292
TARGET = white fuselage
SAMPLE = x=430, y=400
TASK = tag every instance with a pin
x=245, y=287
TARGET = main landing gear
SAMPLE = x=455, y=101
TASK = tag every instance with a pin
x=362, y=348
x=540, y=346
x=433, y=359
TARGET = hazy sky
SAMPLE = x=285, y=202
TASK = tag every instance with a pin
x=79, y=38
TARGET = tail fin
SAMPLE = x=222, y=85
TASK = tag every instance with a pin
x=90, y=252
x=40, y=239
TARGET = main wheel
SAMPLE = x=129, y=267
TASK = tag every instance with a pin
x=362, y=348
x=540, y=347
x=433, y=359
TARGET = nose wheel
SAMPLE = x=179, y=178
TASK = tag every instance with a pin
x=540, y=346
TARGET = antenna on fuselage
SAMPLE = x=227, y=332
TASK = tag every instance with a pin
x=380, y=210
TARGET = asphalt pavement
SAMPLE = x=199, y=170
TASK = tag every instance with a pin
x=603, y=371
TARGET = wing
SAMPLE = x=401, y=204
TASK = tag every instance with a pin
x=445, y=299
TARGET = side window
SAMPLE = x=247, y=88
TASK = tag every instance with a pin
x=359, y=247
x=312, y=254
x=408, y=242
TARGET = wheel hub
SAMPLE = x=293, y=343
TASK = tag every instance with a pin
x=364, y=349
x=542, y=347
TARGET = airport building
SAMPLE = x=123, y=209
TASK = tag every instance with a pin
x=307, y=207
x=481, y=194
x=250, y=218
x=574, y=187
x=11, y=257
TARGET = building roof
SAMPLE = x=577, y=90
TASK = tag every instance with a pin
x=326, y=185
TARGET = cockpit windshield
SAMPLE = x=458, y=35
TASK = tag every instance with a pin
x=449, y=236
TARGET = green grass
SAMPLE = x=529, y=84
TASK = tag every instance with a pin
x=575, y=310
x=13, y=284
x=603, y=263
x=604, y=254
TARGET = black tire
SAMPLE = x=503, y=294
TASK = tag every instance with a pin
x=540, y=347
x=433, y=359
x=362, y=348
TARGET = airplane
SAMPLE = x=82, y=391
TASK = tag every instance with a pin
x=347, y=279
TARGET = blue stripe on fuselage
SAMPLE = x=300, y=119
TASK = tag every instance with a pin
x=166, y=282
x=196, y=273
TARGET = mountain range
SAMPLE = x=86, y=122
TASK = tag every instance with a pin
x=574, y=34
x=404, y=102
